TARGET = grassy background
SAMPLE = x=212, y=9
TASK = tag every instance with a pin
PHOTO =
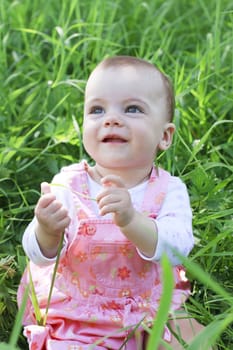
x=47, y=50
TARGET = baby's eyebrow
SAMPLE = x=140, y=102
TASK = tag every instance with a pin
x=133, y=100
x=94, y=100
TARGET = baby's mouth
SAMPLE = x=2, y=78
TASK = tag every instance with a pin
x=114, y=139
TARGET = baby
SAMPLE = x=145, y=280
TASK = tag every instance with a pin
x=118, y=217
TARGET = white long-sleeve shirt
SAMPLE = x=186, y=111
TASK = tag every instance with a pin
x=174, y=221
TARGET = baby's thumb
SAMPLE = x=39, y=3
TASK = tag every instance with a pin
x=45, y=188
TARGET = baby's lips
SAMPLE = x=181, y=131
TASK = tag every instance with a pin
x=114, y=138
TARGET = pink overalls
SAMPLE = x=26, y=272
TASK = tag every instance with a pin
x=103, y=287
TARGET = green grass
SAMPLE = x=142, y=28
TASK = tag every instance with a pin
x=47, y=50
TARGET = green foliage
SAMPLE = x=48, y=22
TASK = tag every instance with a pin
x=47, y=50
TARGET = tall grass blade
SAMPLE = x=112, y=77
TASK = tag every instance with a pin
x=202, y=276
x=164, y=306
x=18, y=321
x=210, y=334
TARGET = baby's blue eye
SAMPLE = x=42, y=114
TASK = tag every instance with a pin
x=96, y=110
x=133, y=109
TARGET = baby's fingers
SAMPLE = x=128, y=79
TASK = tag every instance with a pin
x=112, y=181
x=45, y=188
x=47, y=197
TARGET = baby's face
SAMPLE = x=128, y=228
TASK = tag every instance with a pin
x=125, y=116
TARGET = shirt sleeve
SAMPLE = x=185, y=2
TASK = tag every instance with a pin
x=174, y=224
x=30, y=243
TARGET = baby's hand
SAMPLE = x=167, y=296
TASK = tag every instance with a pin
x=115, y=199
x=51, y=215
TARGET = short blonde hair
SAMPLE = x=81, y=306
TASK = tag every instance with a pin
x=118, y=61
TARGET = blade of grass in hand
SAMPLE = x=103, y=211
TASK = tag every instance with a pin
x=53, y=278
x=75, y=192
x=34, y=299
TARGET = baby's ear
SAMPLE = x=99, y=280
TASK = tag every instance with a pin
x=167, y=136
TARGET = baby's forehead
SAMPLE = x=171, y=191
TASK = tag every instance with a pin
x=136, y=74
x=140, y=69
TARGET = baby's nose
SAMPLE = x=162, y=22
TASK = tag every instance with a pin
x=113, y=119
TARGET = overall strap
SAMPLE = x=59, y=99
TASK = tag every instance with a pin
x=155, y=192
x=78, y=183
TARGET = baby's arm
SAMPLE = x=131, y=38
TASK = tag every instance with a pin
x=174, y=224
x=170, y=232
x=35, y=250
x=52, y=219
x=115, y=199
